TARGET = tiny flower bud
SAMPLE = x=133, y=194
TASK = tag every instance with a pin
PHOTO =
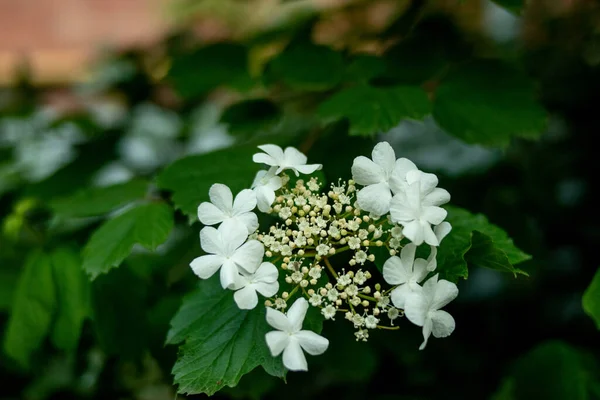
x=300, y=252
x=377, y=287
x=371, y=257
x=379, y=243
x=304, y=283
x=367, y=290
x=313, y=281
x=348, y=209
x=344, y=295
x=284, y=266
x=286, y=259
x=323, y=233
x=366, y=243
x=268, y=303
x=352, y=262
x=285, y=295
x=365, y=303
x=368, y=275
x=376, y=311
x=338, y=302
x=377, y=295
x=288, y=279
x=392, y=252
x=323, y=292
x=357, y=212
x=268, y=254
x=329, y=285
x=290, y=202
x=331, y=251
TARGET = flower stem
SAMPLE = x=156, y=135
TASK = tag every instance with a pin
x=389, y=328
x=330, y=268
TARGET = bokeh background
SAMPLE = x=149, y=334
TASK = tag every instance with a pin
x=85, y=100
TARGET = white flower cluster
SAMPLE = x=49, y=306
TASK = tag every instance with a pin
x=396, y=210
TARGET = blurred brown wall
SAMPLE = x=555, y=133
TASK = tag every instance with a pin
x=59, y=37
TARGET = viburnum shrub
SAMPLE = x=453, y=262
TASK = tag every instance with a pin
x=382, y=216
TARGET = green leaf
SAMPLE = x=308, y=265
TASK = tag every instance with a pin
x=8, y=284
x=251, y=116
x=148, y=225
x=514, y=6
x=98, y=201
x=488, y=103
x=371, y=110
x=72, y=299
x=474, y=241
x=119, y=313
x=551, y=371
x=222, y=342
x=197, y=73
x=33, y=309
x=364, y=67
x=190, y=178
x=305, y=66
x=591, y=299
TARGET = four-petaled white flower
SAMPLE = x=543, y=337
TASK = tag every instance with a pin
x=416, y=207
x=263, y=281
x=264, y=186
x=291, y=158
x=406, y=272
x=223, y=207
x=380, y=175
x=422, y=308
x=229, y=251
x=290, y=339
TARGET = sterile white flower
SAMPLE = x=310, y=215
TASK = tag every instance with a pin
x=290, y=339
x=223, y=207
x=263, y=281
x=229, y=251
x=380, y=175
x=264, y=186
x=422, y=308
x=406, y=272
x=291, y=158
x=416, y=207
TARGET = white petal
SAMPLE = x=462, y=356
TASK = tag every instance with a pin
x=267, y=289
x=407, y=255
x=416, y=306
x=395, y=272
x=244, y=202
x=436, y=198
x=274, y=151
x=399, y=295
x=442, y=230
x=205, y=266
x=293, y=157
x=209, y=214
x=428, y=234
x=308, y=169
x=262, y=158
x=264, y=198
x=375, y=198
x=249, y=219
x=384, y=156
x=258, y=179
x=312, y=343
x=434, y=215
x=275, y=182
x=426, y=333
x=428, y=182
x=246, y=298
x=277, y=341
x=267, y=272
x=397, y=179
x=296, y=314
x=249, y=255
x=414, y=232
x=420, y=270
x=210, y=240
x=443, y=324
x=278, y=320
x=229, y=275
x=233, y=234
x=400, y=210
x=431, y=260
x=445, y=292
x=366, y=172
x=293, y=357
x=221, y=196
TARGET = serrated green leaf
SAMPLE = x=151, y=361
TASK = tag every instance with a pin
x=306, y=66
x=591, y=299
x=119, y=313
x=72, y=292
x=250, y=116
x=551, y=371
x=33, y=309
x=371, y=110
x=488, y=103
x=148, y=225
x=98, y=201
x=474, y=241
x=190, y=178
x=222, y=342
x=222, y=64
